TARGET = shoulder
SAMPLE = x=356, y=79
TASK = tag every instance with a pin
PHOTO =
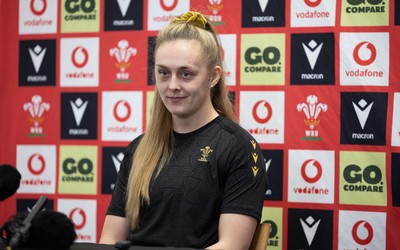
x=234, y=141
x=133, y=145
x=237, y=132
x=128, y=154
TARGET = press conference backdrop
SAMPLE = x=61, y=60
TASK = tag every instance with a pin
x=316, y=82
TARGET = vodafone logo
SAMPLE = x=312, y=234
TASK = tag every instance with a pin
x=313, y=167
x=263, y=115
x=256, y=111
x=311, y=179
x=39, y=177
x=122, y=119
x=38, y=7
x=364, y=53
x=312, y=3
x=167, y=5
x=78, y=217
x=362, y=236
x=36, y=164
x=122, y=111
x=368, y=62
x=79, y=57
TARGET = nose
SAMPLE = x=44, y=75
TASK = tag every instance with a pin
x=174, y=84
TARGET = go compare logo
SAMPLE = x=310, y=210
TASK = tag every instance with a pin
x=356, y=177
x=78, y=173
x=363, y=178
x=80, y=16
x=365, y=6
x=262, y=60
x=365, y=13
x=78, y=10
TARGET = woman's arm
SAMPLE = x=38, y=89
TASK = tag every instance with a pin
x=235, y=232
x=115, y=229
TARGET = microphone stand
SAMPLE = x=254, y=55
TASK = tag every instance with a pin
x=23, y=231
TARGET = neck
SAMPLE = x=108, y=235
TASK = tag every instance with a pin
x=187, y=125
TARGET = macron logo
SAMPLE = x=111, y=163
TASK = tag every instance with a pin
x=123, y=6
x=78, y=108
x=312, y=50
x=310, y=227
x=263, y=4
x=37, y=55
x=362, y=110
x=267, y=165
x=117, y=160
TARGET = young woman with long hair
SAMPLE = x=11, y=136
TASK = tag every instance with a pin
x=195, y=178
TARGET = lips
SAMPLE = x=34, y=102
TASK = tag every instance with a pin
x=175, y=97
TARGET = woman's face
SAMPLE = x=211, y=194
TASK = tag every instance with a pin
x=183, y=79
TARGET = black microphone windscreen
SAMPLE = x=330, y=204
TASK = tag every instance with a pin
x=50, y=230
x=9, y=181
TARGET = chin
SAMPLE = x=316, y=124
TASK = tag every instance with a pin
x=180, y=113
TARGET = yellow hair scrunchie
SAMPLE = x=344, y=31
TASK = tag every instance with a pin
x=193, y=18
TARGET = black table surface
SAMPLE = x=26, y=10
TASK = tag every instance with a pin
x=81, y=246
x=93, y=246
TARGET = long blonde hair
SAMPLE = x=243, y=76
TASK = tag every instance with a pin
x=156, y=146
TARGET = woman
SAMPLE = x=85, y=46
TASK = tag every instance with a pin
x=195, y=178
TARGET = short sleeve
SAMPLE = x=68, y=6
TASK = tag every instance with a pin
x=246, y=180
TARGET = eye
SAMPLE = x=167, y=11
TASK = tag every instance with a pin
x=163, y=73
x=186, y=74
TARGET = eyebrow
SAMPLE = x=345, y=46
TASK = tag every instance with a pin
x=182, y=67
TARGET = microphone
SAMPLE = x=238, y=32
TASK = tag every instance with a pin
x=47, y=230
x=9, y=181
x=22, y=232
x=51, y=230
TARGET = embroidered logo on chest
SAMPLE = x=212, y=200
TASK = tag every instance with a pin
x=205, y=153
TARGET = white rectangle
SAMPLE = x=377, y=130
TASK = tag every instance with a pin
x=37, y=165
x=364, y=59
x=311, y=176
x=37, y=17
x=122, y=115
x=79, y=62
x=312, y=13
x=262, y=114
x=162, y=12
x=362, y=230
x=83, y=214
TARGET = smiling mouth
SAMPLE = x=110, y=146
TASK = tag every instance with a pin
x=175, y=97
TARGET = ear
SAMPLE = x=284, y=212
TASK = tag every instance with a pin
x=215, y=76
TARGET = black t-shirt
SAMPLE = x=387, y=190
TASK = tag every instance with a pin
x=216, y=169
